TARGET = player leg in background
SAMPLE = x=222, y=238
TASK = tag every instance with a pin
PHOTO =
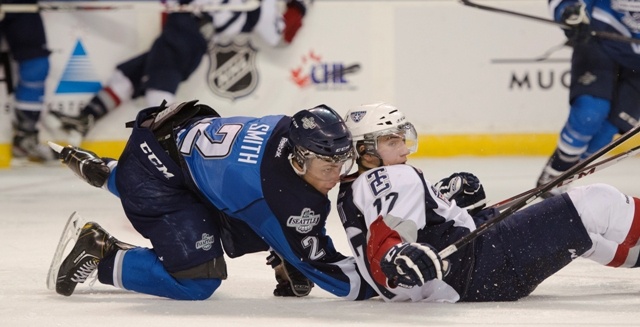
x=31, y=54
x=173, y=57
x=124, y=84
x=593, y=81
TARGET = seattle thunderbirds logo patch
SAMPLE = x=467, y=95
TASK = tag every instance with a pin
x=305, y=222
x=232, y=70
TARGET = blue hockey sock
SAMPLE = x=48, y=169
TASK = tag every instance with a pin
x=141, y=270
x=587, y=116
x=601, y=139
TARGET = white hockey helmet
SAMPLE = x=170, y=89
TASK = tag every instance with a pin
x=370, y=121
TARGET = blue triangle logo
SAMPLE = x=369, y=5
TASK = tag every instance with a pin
x=78, y=75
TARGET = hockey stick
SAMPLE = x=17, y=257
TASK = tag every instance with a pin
x=600, y=34
x=570, y=179
x=248, y=5
x=519, y=204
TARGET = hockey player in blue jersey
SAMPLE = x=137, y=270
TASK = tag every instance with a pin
x=397, y=222
x=194, y=183
x=27, y=44
x=178, y=51
x=605, y=79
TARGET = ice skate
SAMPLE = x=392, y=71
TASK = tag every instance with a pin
x=93, y=243
x=80, y=124
x=26, y=147
x=548, y=174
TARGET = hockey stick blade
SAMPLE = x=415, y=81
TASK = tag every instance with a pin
x=70, y=233
x=602, y=35
x=519, y=204
x=55, y=147
x=591, y=169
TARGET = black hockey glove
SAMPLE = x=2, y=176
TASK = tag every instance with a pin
x=86, y=164
x=412, y=264
x=576, y=17
x=291, y=282
x=465, y=189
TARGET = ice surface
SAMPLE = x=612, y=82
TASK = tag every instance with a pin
x=35, y=202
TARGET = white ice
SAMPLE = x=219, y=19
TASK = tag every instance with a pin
x=35, y=202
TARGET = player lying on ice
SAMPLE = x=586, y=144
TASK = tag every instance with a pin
x=397, y=222
x=192, y=182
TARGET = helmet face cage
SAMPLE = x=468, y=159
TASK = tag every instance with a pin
x=405, y=131
x=302, y=156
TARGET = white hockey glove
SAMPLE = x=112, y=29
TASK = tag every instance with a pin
x=465, y=189
x=412, y=264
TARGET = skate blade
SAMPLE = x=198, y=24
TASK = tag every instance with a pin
x=70, y=233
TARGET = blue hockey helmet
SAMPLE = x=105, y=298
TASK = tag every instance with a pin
x=322, y=133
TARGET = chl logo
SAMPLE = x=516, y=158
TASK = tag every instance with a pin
x=305, y=222
x=232, y=70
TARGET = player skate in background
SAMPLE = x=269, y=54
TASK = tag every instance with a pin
x=193, y=183
x=177, y=52
x=26, y=38
x=397, y=222
x=605, y=80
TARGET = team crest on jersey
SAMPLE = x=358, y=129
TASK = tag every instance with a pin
x=305, y=222
x=357, y=116
x=379, y=181
x=232, y=70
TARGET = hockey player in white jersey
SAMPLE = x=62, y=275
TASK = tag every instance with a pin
x=177, y=53
x=397, y=222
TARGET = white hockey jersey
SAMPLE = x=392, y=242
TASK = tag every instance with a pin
x=396, y=204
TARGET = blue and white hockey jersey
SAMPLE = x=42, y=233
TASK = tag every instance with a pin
x=614, y=16
x=241, y=165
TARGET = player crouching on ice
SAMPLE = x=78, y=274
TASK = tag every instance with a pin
x=192, y=182
x=397, y=222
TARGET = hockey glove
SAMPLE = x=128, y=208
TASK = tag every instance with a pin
x=86, y=164
x=412, y=264
x=465, y=189
x=291, y=282
x=576, y=17
x=292, y=19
